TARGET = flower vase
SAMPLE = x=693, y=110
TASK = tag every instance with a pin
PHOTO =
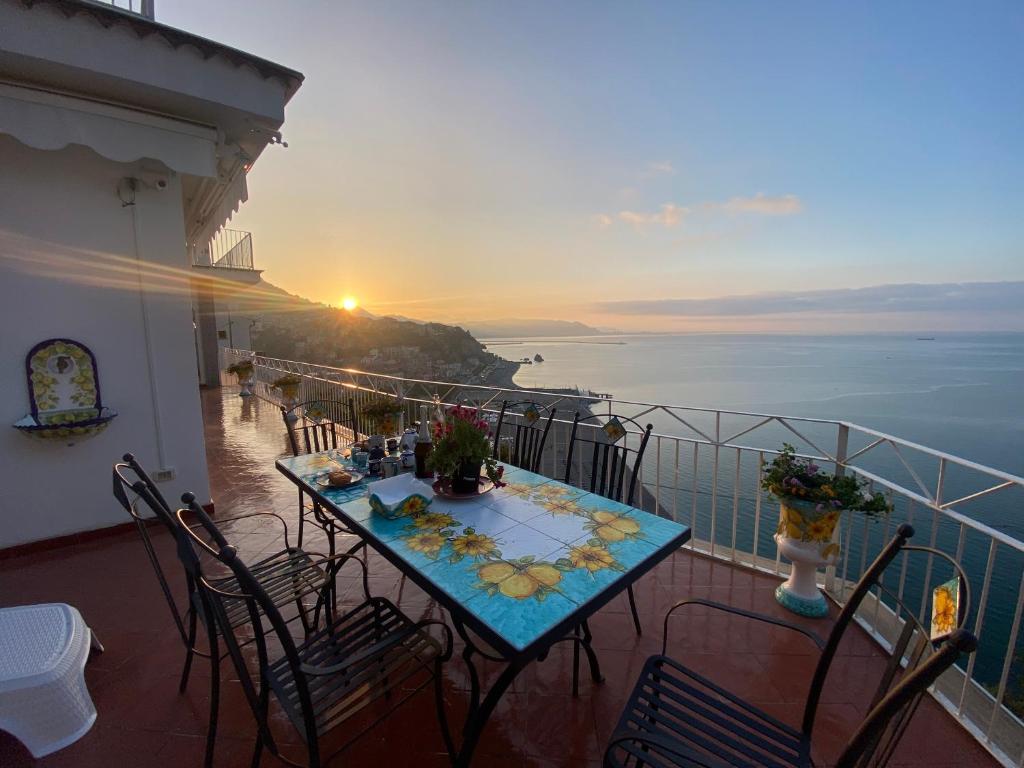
x=467, y=479
x=245, y=385
x=807, y=536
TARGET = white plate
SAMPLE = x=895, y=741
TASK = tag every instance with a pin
x=324, y=481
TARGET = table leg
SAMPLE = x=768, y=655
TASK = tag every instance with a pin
x=477, y=719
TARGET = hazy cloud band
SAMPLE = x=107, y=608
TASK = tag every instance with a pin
x=909, y=297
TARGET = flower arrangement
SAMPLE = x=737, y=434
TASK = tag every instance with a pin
x=288, y=380
x=789, y=478
x=461, y=439
x=383, y=412
x=242, y=369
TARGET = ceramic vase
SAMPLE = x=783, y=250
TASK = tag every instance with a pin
x=467, y=479
x=245, y=387
x=807, y=536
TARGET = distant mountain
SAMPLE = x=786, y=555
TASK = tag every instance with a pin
x=515, y=328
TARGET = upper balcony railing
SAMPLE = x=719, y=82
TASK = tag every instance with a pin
x=145, y=8
x=703, y=467
x=228, y=249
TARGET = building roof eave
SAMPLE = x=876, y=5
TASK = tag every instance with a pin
x=109, y=16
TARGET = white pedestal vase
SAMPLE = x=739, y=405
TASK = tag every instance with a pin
x=245, y=386
x=807, y=536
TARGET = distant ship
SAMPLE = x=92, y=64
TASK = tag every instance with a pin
x=537, y=358
x=926, y=338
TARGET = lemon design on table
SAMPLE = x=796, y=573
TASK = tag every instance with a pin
x=611, y=527
x=519, y=579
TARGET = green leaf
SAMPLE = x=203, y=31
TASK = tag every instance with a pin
x=595, y=543
x=527, y=560
x=563, y=562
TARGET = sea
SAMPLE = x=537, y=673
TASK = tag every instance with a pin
x=959, y=393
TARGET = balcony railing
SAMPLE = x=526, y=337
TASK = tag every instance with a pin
x=229, y=249
x=145, y=8
x=703, y=468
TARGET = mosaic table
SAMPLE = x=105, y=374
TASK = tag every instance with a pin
x=522, y=567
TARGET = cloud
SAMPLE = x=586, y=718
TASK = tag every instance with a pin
x=659, y=168
x=670, y=215
x=785, y=205
x=909, y=297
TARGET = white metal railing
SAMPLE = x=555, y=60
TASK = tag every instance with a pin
x=703, y=468
x=145, y=8
x=228, y=249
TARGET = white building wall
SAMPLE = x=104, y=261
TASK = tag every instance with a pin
x=59, y=213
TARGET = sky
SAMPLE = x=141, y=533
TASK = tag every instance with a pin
x=643, y=166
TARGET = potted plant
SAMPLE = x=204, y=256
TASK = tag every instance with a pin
x=243, y=369
x=384, y=413
x=288, y=385
x=811, y=503
x=462, y=449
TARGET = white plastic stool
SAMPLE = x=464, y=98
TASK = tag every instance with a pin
x=43, y=699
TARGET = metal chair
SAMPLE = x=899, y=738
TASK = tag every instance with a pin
x=288, y=576
x=609, y=466
x=312, y=427
x=369, y=652
x=529, y=437
x=677, y=717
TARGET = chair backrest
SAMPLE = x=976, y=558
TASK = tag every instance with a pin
x=320, y=425
x=132, y=485
x=915, y=660
x=528, y=435
x=220, y=602
x=604, y=463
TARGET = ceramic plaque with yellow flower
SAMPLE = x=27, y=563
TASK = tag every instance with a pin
x=945, y=608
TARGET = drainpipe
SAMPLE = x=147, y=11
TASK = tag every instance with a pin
x=154, y=390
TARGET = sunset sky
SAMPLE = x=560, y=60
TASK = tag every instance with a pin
x=624, y=164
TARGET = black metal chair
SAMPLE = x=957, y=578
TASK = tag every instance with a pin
x=677, y=717
x=528, y=438
x=312, y=427
x=288, y=576
x=606, y=469
x=369, y=652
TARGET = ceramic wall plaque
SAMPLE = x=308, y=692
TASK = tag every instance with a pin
x=64, y=392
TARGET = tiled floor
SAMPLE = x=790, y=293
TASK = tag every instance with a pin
x=144, y=721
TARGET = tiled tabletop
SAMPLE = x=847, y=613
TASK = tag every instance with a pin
x=520, y=559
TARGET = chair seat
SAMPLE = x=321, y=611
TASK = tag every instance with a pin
x=286, y=576
x=675, y=717
x=380, y=649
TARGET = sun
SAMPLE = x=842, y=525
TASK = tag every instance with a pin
x=349, y=303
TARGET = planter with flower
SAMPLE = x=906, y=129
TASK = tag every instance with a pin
x=462, y=449
x=288, y=386
x=243, y=369
x=811, y=503
x=383, y=415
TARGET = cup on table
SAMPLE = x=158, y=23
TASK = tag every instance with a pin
x=360, y=458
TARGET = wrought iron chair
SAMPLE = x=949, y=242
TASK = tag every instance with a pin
x=609, y=465
x=677, y=717
x=312, y=427
x=288, y=576
x=529, y=436
x=369, y=652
